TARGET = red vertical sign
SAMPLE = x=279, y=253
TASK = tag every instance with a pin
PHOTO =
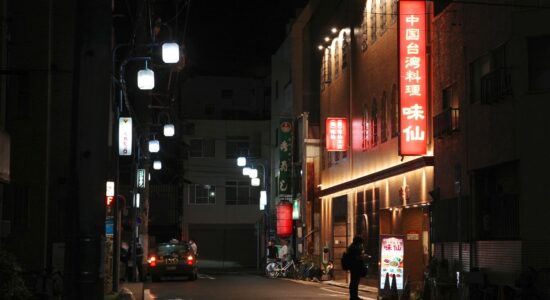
x=412, y=78
x=336, y=134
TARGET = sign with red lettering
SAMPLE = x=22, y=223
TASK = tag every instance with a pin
x=392, y=254
x=412, y=78
x=336, y=134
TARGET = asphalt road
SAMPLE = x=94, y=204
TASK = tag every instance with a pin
x=243, y=286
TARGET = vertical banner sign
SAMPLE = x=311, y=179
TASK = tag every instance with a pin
x=125, y=136
x=285, y=157
x=110, y=192
x=336, y=134
x=140, y=177
x=392, y=250
x=412, y=77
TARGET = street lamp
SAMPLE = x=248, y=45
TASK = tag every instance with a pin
x=170, y=53
x=241, y=161
x=154, y=146
x=255, y=181
x=157, y=165
x=146, y=79
x=253, y=173
x=169, y=130
x=246, y=171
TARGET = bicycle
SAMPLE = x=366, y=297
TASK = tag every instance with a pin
x=276, y=269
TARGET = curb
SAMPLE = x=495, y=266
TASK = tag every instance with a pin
x=362, y=287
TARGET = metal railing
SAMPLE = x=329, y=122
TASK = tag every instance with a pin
x=495, y=86
x=446, y=122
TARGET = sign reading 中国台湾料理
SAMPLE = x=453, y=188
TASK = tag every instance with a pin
x=412, y=78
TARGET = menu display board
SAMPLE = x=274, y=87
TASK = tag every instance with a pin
x=391, y=260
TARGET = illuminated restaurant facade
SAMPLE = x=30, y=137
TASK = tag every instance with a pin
x=376, y=182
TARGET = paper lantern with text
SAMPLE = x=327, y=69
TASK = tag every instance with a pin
x=284, y=219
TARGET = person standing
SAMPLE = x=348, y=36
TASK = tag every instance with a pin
x=193, y=246
x=271, y=251
x=284, y=255
x=139, y=261
x=356, y=267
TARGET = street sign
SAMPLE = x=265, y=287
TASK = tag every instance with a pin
x=109, y=226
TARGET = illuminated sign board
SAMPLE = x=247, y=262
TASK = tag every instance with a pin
x=140, y=177
x=392, y=250
x=412, y=78
x=296, y=209
x=336, y=134
x=125, y=136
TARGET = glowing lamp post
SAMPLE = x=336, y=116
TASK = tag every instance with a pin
x=253, y=173
x=146, y=79
x=170, y=53
x=241, y=161
x=154, y=146
x=169, y=130
x=157, y=165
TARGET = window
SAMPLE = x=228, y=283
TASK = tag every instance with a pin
x=227, y=94
x=373, y=11
x=383, y=13
x=336, y=56
x=383, y=119
x=539, y=63
x=345, y=48
x=241, y=193
x=489, y=77
x=394, y=112
x=202, y=147
x=328, y=66
x=236, y=146
x=496, y=190
x=202, y=194
x=374, y=124
x=365, y=30
x=365, y=128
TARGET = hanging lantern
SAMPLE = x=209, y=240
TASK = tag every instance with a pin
x=170, y=53
x=284, y=219
x=146, y=79
x=169, y=130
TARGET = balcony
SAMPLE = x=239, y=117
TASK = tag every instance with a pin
x=446, y=122
x=495, y=86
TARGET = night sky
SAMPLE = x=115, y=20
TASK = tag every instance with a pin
x=236, y=37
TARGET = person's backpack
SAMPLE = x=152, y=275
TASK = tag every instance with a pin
x=346, y=261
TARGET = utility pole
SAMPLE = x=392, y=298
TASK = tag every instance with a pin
x=89, y=150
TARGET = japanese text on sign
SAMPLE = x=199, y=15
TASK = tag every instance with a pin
x=391, y=260
x=413, y=79
x=337, y=134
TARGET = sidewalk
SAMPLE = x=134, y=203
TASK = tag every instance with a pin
x=343, y=284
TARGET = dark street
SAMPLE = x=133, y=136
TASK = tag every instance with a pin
x=242, y=286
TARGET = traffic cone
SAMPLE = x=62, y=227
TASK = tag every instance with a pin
x=393, y=292
x=386, y=290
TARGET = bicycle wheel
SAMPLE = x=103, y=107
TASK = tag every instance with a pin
x=271, y=270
